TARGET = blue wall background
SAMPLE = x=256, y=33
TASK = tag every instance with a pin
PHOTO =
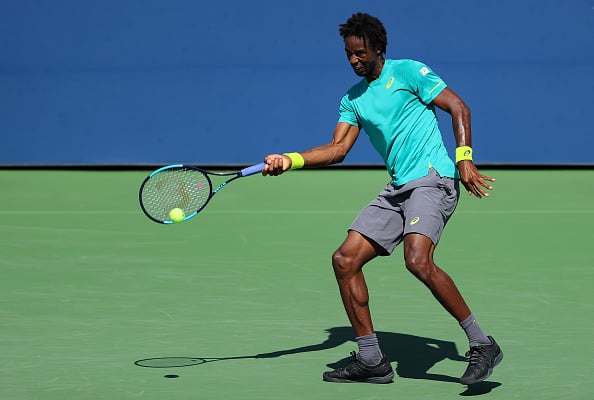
x=154, y=82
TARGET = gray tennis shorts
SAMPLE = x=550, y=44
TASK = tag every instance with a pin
x=422, y=206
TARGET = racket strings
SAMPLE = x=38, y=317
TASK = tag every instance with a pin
x=181, y=187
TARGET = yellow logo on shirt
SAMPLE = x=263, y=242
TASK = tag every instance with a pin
x=390, y=82
x=415, y=220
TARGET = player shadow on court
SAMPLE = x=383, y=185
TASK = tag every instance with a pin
x=414, y=356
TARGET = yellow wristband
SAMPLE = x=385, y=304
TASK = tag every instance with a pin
x=297, y=160
x=463, y=153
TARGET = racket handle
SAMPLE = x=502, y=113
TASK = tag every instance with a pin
x=254, y=169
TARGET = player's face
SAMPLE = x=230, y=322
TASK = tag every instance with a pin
x=363, y=59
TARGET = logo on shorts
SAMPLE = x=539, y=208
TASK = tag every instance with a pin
x=415, y=220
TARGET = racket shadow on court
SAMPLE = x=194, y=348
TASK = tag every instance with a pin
x=412, y=355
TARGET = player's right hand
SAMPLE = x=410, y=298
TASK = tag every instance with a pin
x=276, y=164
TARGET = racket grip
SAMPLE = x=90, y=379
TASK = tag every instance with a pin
x=254, y=169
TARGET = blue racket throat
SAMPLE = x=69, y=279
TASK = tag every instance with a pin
x=186, y=187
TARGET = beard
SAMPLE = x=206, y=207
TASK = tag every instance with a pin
x=364, y=68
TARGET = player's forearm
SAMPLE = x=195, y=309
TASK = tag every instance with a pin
x=327, y=154
x=453, y=104
x=461, y=125
x=334, y=152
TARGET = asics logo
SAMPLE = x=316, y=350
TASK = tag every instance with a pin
x=415, y=220
x=390, y=82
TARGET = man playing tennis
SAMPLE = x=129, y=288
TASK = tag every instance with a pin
x=394, y=104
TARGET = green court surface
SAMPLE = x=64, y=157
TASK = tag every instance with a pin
x=98, y=302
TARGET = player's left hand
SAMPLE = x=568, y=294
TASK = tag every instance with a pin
x=474, y=182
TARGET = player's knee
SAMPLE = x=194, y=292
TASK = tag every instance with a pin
x=420, y=266
x=343, y=265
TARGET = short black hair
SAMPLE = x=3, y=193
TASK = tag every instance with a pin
x=366, y=27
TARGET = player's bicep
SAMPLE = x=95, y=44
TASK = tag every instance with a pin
x=345, y=135
x=449, y=101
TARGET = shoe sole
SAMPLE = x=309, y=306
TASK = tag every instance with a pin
x=488, y=374
x=376, y=379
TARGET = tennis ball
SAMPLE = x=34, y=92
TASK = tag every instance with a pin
x=177, y=215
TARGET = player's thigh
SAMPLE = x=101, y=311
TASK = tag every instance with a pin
x=382, y=225
x=428, y=210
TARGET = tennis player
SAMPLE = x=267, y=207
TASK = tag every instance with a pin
x=395, y=104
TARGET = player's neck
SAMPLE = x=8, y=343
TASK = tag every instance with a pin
x=377, y=71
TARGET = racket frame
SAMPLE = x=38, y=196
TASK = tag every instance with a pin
x=251, y=170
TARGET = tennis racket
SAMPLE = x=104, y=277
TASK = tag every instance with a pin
x=186, y=187
x=177, y=362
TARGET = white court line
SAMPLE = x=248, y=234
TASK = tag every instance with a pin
x=280, y=212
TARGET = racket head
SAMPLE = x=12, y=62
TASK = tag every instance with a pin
x=174, y=186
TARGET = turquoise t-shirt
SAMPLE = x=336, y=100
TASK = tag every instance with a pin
x=395, y=112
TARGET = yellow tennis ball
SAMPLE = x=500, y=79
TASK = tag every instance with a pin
x=177, y=215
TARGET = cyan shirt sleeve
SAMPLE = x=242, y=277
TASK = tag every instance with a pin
x=426, y=83
x=347, y=112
